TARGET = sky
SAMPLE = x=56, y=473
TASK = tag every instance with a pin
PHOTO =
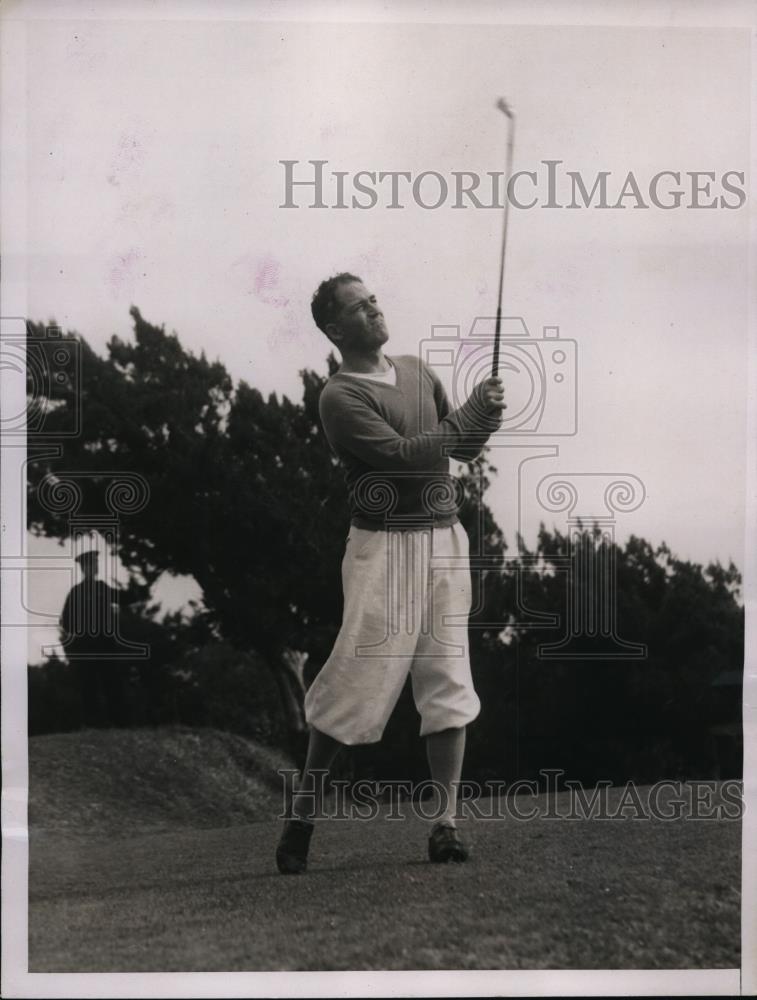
x=154, y=179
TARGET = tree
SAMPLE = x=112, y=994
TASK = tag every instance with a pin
x=246, y=497
x=611, y=718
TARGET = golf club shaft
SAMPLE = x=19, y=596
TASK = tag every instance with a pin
x=508, y=172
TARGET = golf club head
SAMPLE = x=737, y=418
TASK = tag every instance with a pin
x=505, y=107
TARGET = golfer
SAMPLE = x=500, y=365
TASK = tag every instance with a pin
x=405, y=571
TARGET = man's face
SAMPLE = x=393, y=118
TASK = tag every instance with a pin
x=358, y=325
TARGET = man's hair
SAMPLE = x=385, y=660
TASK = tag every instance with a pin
x=324, y=304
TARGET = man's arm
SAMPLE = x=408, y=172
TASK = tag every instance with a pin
x=465, y=452
x=356, y=427
x=66, y=623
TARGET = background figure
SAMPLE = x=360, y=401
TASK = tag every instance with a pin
x=88, y=634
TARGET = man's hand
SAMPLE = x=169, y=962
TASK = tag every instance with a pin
x=494, y=395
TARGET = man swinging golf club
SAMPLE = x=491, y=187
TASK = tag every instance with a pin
x=405, y=571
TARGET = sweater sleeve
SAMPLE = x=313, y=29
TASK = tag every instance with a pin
x=466, y=451
x=350, y=423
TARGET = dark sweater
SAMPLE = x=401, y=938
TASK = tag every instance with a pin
x=395, y=443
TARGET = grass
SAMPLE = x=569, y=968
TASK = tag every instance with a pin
x=149, y=780
x=545, y=894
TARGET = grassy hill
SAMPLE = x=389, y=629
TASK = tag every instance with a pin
x=153, y=851
x=132, y=781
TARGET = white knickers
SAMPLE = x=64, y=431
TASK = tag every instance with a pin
x=407, y=596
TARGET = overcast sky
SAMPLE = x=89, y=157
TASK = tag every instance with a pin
x=154, y=180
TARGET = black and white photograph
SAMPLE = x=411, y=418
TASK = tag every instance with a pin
x=379, y=498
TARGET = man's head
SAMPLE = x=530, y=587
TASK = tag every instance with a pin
x=88, y=562
x=349, y=315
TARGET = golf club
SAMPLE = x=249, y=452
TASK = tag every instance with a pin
x=503, y=106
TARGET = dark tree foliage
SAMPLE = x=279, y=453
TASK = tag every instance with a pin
x=245, y=496
x=609, y=717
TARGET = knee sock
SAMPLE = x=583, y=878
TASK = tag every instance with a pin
x=445, y=752
x=307, y=793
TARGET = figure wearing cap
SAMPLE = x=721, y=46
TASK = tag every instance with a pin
x=89, y=632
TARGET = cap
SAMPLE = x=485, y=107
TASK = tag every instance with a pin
x=90, y=556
